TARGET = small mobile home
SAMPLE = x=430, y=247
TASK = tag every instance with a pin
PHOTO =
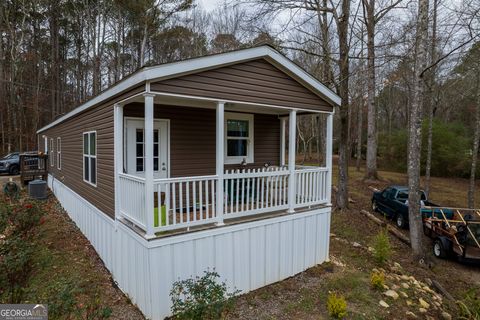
x=189, y=166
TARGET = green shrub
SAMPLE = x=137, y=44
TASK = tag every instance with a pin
x=470, y=305
x=24, y=217
x=201, y=297
x=336, y=306
x=62, y=297
x=15, y=267
x=382, y=248
x=377, y=280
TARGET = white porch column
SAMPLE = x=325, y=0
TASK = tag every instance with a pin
x=292, y=126
x=148, y=165
x=118, y=153
x=282, y=141
x=328, y=155
x=220, y=128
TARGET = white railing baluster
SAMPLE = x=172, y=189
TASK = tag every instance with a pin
x=258, y=190
x=174, y=200
x=194, y=190
x=187, y=199
x=212, y=182
x=248, y=192
x=207, y=214
x=167, y=203
x=200, y=187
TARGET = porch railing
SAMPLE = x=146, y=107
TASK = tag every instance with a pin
x=254, y=191
x=311, y=186
x=191, y=201
x=132, y=199
x=184, y=202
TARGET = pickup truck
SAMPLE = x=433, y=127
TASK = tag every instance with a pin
x=392, y=203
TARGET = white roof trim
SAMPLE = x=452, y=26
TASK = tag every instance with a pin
x=203, y=63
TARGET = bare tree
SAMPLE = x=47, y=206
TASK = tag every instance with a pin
x=430, y=97
x=415, y=132
x=475, y=148
x=371, y=19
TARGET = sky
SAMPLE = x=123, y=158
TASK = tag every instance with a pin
x=209, y=5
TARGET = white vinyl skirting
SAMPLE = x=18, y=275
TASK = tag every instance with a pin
x=247, y=256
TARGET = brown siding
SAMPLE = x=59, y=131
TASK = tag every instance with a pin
x=100, y=119
x=255, y=81
x=192, y=138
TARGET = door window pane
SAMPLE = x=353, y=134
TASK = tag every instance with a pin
x=139, y=136
x=139, y=150
x=155, y=164
x=139, y=164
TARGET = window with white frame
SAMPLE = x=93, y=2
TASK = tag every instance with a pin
x=51, y=156
x=59, y=153
x=238, y=138
x=90, y=157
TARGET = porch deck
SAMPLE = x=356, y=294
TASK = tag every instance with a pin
x=190, y=202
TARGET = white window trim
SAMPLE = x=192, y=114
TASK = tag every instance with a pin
x=51, y=154
x=59, y=153
x=90, y=156
x=250, y=141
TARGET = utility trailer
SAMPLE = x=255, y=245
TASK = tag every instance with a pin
x=455, y=235
x=33, y=165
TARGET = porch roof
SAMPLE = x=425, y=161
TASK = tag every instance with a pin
x=175, y=69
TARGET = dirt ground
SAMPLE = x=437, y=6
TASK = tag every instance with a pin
x=304, y=295
x=300, y=297
x=67, y=273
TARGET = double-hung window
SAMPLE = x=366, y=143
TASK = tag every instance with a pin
x=90, y=157
x=59, y=153
x=238, y=138
x=52, y=154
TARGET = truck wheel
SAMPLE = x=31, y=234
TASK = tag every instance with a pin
x=400, y=221
x=14, y=170
x=374, y=206
x=439, y=250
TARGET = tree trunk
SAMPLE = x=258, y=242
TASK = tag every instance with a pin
x=476, y=142
x=430, y=98
x=415, y=133
x=342, y=193
x=359, y=133
x=371, y=165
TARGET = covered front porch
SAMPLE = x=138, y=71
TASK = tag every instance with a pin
x=231, y=180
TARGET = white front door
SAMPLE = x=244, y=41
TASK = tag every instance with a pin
x=135, y=150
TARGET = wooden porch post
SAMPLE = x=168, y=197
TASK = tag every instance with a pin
x=118, y=154
x=282, y=141
x=149, y=192
x=220, y=128
x=292, y=126
x=328, y=155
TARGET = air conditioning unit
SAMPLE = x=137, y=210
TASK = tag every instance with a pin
x=37, y=189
